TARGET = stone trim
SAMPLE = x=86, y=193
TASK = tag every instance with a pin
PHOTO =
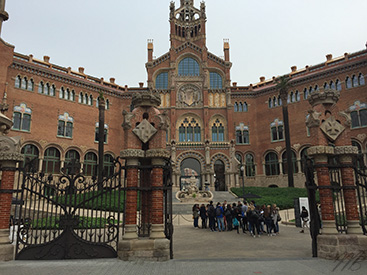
x=132, y=153
x=158, y=153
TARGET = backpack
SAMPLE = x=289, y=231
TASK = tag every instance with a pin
x=218, y=211
x=211, y=211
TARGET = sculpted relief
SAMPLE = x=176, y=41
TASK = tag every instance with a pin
x=189, y=96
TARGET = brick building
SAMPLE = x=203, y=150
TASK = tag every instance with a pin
x=215, y=127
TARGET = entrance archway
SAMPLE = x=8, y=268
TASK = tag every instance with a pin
x=190, y=173
x=220, y=179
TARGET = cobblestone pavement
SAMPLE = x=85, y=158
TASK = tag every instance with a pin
x=199, y=251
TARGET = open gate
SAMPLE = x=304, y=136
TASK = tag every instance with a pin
x=68, y=217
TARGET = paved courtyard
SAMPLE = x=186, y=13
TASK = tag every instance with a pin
x=199, y=251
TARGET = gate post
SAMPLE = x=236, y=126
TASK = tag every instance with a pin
x=320, y=155
x=346, y=154
x=9, y=156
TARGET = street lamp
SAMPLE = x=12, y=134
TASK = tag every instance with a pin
x=243, y=180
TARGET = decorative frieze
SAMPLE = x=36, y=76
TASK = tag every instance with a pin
x=157, y=153
x=346, y=150
x=132, y=153
x=320, y=150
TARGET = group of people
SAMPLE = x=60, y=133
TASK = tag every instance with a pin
x=248, y=217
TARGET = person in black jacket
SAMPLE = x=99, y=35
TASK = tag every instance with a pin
x=304, y=218
x=203, y=216
x=211, y=215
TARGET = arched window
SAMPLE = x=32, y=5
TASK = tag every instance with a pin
x=358, y=114
x=293, y=97
x=361, y=80
x=18, y=82
x=65, y=126
x=354, y=81
x=304, y=157
x=338, y=85
x=189, y=131
x=285, y=165
x=24, y=83
x=62, y=93
x=67, y=94
x=280, y=103
x=86, y=98
x=360, y=161
x=275, y=102
x=235, y=107
x=51, y=161
x=332, y=85
x=22, y=118
x=30, y=86
x=238, y=157
x=90, y=102
x=348, y=83
x=316, y=88
x=270, y=103
x=250, y=165
x=90, y=164
x=107, y=104
x=240, y=107
x=276, y=128
x=72, y=95
x=217, y=131
x=108, y=165
x=72, y=155
x=298, y=98
x=326, y=86
x=47, y=89
x=161, y=82
x=271, y=164
x=188, y=67
x=30, y=153
x=310, y=90
x=81, y=98
x=305, y=93
x=41, y=87
x=242, y=134
x=245, y=107
x=215, y=81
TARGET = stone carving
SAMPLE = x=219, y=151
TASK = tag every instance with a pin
x=145, y=131
x=346, y=150
x=296, y=146
x=190, y=192
x=313, y=119
x=189, y=96
x=146, y=99
x=10, y=149
x=279, y=148
x=348, y=119
x=326, y=97
x=84, y=148
x=132, y=153
x=362, y=137
x=127, y=119
x=157, y=153
x=163, y=121
x=332, y=128
x=5, y=124
x=320, y=150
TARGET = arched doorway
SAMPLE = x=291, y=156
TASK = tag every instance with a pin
x=219, y=175
x=190, y=173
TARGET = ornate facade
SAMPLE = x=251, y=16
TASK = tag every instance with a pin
x=213, y=126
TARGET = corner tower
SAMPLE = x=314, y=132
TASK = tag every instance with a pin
x=187, y=23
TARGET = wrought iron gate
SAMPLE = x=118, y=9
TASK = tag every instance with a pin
x=68, y=217
x=337, y=188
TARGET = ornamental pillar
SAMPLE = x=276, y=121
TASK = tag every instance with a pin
x=9, y=157
x=320, y=155
x=345, y=154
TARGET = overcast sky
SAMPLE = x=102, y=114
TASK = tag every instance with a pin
x=109, y=37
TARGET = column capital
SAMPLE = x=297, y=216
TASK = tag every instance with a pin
x=320, y=153
x=158, y=153
x=132, y=153
x=346, y=153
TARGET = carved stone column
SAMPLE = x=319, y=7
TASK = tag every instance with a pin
x=346, y=154
x=9, y=157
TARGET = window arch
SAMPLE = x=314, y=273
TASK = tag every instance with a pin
x=108, y=165
x=271, y=164
x=275, y=102
x=161, y=81
x=270, y=103
x=51, y=161
x=30, y=153
x=338, y=85
x=298, y=98
x=305, y=93
x=326, y=86
x=216, y=81
x=358, y=114
x=81, y=98
x=240, y=109
x=41, y=87
x=188, y=67
x=354, y=81
x=235, y=107
x=280, y=103
x=72, y=155
x=189, y=130
x=348, y=83
x=242, y=134
x=65, y=126
x=238, y=157
x=250, y=165
x=107, y=104
x=18, y=82
x=285, y=164
x=217, y=131
x=332, y=85
x=90, y=164
x=361, y=80
x=62, y=93
x=22, y=118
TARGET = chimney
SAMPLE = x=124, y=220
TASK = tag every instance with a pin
x=234, y=84
x=150, y=50
x=46, y=59
x=346, y=56
x=141, y=84
x=112, y=80
x=81, y=70
x=226, y=49
x=294, y=69
x=126, y=88
x=329, y=57
x=262, y=78
x=307, y=68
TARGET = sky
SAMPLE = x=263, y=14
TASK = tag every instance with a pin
x=109, y=37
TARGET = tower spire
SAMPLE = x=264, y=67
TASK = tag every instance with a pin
x=3, y=14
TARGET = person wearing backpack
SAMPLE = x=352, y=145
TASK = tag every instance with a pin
x=304, y=217
x=211, y=215
x=219, y=214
